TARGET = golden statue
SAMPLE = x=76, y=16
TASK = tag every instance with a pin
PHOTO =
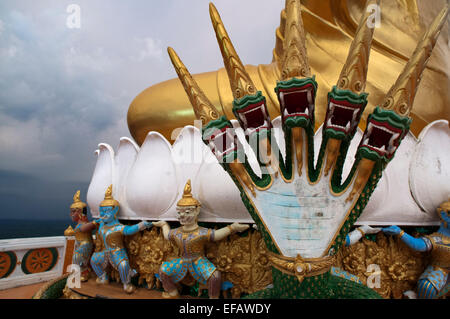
x=330, y=26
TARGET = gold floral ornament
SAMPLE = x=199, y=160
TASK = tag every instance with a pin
x=400, y=267
x=109, y=199
x=77, y=203
x=301, y=267
x=147, y=250
x=242, y=261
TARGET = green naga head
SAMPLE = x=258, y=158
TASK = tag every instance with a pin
x=385, y=130
x=343, y=113
x=222, y=140
x=251, y=112
x=297, y=97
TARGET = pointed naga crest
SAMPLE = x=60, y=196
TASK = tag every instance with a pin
x=240, y=82
x=295, y=59
x=77, y=203
x=400, y=97
x=353, y=76
x=187, y=199
x=109, y=199
x=203, y=108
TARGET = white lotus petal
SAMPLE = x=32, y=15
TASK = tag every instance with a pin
x=124, y=160
x=151, y=186
x=430, y=169
x=188, y=152
x=219, y=196
x=392, y=202
x=102, y=177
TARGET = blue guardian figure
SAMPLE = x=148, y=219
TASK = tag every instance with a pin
x=434, y=280
x=111, y=233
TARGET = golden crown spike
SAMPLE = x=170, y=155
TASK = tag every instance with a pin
x=187, y=198
x=77, y=203
x=109, y=199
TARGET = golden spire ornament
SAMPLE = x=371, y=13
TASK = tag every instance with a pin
x=77, y=203
x=295, y=59
x=240, y=81
x=400, y=97
x=203, y=108
x=353, y=76
x=109, y=199
x=188, y=199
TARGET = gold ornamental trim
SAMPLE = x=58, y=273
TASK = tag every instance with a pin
x=301, y=267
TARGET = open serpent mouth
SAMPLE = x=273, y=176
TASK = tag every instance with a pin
x=297, y=102
x=381, y=138
x=254, y=118
x=343, y=116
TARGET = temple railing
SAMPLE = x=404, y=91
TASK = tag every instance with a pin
x=27, y=261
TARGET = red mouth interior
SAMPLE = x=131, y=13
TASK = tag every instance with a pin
x=253, y=115
x=379, y=137
x=296, y=102
x=341, y=116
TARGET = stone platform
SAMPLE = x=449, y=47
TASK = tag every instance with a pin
x=114, y=290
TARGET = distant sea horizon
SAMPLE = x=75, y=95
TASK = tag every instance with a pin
x=26, y=228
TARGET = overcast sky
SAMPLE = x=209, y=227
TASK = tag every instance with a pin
x=64, y=90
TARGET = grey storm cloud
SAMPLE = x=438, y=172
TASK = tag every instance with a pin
x=63, y=91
